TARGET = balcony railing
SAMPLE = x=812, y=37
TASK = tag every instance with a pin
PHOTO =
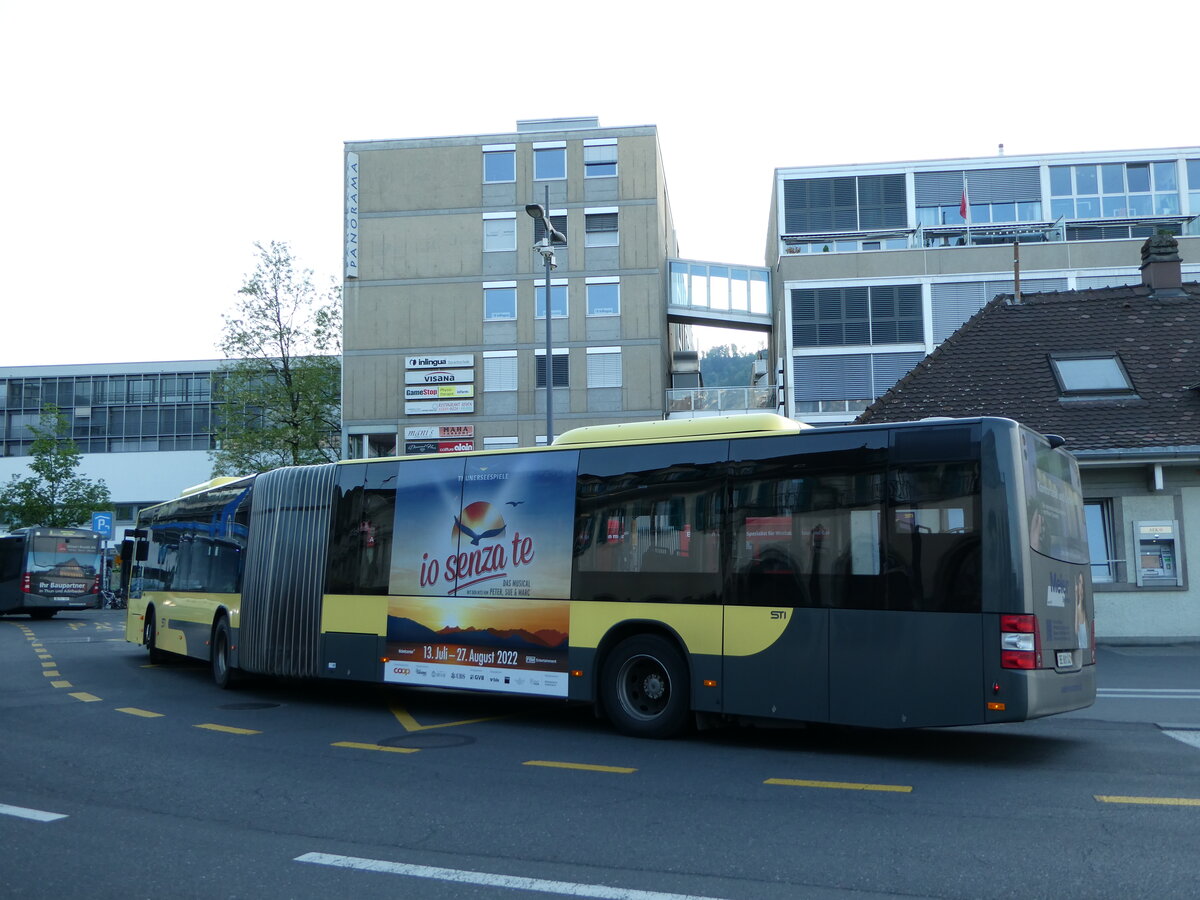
x=685, y=403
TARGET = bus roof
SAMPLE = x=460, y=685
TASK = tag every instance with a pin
x=681, y=429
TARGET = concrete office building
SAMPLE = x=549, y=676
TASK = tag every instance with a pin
x=444, y=337
x=144, y=428
x=875, y=265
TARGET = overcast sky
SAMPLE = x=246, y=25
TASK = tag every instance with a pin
x=147, y=146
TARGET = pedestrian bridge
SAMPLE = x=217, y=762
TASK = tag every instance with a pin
x=718, y=294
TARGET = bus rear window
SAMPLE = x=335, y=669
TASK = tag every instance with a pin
x=1053, y=501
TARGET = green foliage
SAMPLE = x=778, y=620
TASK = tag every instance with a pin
x=280, y=393
x=724, y=366
x=53, y=495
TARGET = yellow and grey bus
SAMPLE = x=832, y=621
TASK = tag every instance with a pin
x=743, y=568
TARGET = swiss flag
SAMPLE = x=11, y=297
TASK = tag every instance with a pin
x=962, y=206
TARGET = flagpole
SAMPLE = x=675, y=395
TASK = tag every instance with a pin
x=966, y=208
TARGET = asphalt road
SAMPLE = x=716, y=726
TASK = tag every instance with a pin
x=120, y=779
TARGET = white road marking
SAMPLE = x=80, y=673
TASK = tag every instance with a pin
x=36, y=814
x=1188, y=737
x=460, y=876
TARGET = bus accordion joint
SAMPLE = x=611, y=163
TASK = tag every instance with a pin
x=1020, y=645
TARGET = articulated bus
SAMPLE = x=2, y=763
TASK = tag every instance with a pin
x=44, y=570
x=743, y=568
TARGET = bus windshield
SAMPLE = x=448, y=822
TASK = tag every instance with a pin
x=1053, y=501
x=77, y=553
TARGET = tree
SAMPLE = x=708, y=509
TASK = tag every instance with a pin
x=53, y=495
x=724, y=366
x=280, y=393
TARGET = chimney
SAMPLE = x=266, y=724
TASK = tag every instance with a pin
x=1161, y=266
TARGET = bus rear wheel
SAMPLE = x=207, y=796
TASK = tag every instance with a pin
x=644, y=687
x=222, y=643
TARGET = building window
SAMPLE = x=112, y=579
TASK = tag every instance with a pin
x=603, y=296
x=850, y=203
x=558, y=299
x=599, y=158
x=603, y=367
x=372, y=446
x=499, y=370
x=499, y=443
x=1092, y=373
x=499, y=232
x=1098, y=515
x=600, y=227
x=549, y=160
x=558, y=219
x=499, y=301
x=1193, y=177
x=499, y=163
x=561, y=368
x=831, y=317
x=1114, y=190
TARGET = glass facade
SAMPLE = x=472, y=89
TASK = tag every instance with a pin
x=112, y=413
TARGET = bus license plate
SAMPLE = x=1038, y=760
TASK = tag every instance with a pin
x=1065, y=659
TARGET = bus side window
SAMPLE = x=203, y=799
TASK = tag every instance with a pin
x=805, y=541
x=933, y=540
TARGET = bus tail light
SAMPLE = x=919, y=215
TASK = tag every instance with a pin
x=1020, y=645
x=26, y=585
x=95, y=585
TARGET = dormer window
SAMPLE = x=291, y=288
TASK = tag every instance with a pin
x=1090, y=373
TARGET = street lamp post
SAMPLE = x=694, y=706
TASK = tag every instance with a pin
x=545, y=247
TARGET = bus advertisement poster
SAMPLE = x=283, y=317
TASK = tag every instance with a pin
x=481, y=574
x=460, y=642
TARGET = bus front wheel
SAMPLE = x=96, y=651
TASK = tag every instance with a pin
x=222, y=643
x=644, y=687
x=149, y=636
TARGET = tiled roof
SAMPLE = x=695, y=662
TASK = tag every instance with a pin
x=998, y=364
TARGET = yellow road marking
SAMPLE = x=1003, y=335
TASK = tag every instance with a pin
x=228, y=728
x=354, y=745
x=44, y=656
x=841, y=785
x=586, y=767
x=52, y=673
x=61, y=684
x=1151, y=801
x=134, y=711
x=85, y=697
x=411, y=724
x=48, y=665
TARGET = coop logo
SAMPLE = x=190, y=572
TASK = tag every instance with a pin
x=1056, y=592
x=401, y=670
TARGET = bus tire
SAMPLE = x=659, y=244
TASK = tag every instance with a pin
x=644, y=687
x=149, y=637
x=222, y=643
